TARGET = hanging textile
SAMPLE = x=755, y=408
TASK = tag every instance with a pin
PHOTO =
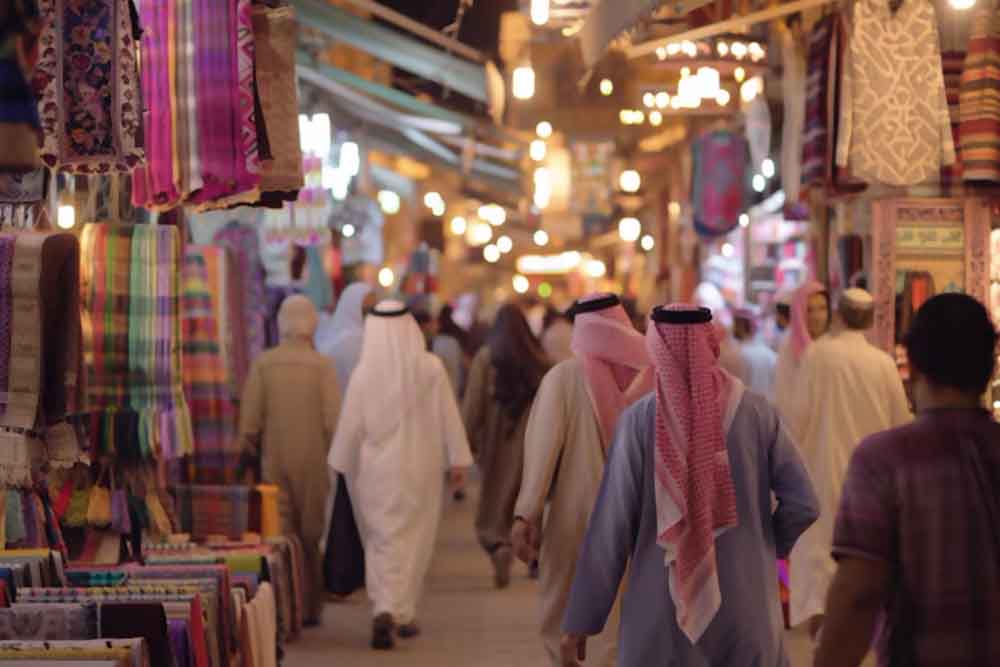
x=793, y=95
x=206, y=382
x=242, y=241
x=275, y=31
x=131, y=311
x=952, y=66
x=90, y=106
x=225, y=284
x=893, y=78
x=980, y=101
x=20, y=128
x=719, y=182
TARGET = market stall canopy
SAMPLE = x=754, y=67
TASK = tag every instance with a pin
x=409, y=54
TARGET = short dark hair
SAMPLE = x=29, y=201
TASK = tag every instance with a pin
x=953, y=343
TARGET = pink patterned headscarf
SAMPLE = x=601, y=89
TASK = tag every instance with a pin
x=695, y=495
x=798, y=336
x=614, y=359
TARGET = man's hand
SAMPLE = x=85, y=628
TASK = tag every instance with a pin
x=574, y=649
x=456, y=479
x=524, y=538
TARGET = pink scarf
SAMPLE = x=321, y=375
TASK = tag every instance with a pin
x=695, y=496
x=615, y=363
x=798, y=336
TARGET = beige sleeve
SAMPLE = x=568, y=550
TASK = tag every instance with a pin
x=252, y=412
x=477, y=392
x=456, y=442
x=543, y=444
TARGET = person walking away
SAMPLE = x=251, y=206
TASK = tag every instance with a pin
x=917, y=536
x=782, y=318
x=571, y=426
x=686, y=506
x=289, y=412
x=504, y=377
x=847, y=390
x=400, y=430
x=557, y=336
x=449, y=345
x=760, y=360
x=340, y=338
x=809, y=320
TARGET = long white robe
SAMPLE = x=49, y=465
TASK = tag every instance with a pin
x=847, y=390
x=786, y=372
x=400, y=430
x=760, y=363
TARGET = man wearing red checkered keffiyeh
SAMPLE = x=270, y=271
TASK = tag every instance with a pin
x=686, y=503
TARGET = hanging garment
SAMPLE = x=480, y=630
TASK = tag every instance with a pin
x=718, y=182
x=793, y=96
x=242, y=240
x=89, y=106
x=952, y=66
x=20, y=128
x=894, y=122
x=979, y=98
x=815, y=164
x=227, y=304
x=275, y=32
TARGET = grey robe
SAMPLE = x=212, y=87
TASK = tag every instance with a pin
x=748, y=628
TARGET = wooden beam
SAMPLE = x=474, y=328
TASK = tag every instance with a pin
x=735, y=24
x=419, y=29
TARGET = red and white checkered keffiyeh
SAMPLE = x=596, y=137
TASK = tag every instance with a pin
x=695, y=496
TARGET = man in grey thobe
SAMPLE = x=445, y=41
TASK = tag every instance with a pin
x=746, y=627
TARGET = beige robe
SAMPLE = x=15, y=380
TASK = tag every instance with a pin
x=289, y=413
x=563, y=466
x=497, y=444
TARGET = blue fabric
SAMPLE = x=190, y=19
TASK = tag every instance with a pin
x=748, y=628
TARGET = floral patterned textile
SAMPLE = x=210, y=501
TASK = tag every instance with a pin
x=89, y=87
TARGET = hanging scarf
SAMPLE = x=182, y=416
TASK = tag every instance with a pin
x=695, y=495
x=614, y=359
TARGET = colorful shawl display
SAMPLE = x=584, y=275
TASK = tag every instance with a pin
x=214, y=510
x=89, y=106
x=979, y=100
x=695, y=494
x=719, y=182
x=132, y=325
x=614, y=359
x=206, y=384
x=224, y=282
x=244, y=244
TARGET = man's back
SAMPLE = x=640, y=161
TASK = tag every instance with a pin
x=924, y=500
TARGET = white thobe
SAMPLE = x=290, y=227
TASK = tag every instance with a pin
x=760, y=363
x=397, y=483
x=786, y=371
x=847, y=390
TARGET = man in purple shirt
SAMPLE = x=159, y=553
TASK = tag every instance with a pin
x=917, y=537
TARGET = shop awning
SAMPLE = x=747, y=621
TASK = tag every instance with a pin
x=393, y=47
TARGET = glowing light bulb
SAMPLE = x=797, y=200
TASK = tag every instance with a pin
x=607, y=87
x=539, y=12
x=744, y=220
x=630, y=181
x=767, y=168
x=662, y=99
x=649, y=100
x=347, y=231
x=629, y=229
x=723, y=49
x=459, y=225
x=759, y=183
x=389, y=201
x=66, y=217
x=728, y=250
x=647, y=242
x=491, y=254
x=505, y=244
x=595, y=268
x=722, y=99
x=386, y=277
x=544, y=129
x=541, y=237
x=520, y=284
x=655, y=118
x=523, y=83
x=537, y=150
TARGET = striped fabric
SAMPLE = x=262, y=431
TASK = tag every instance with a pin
x=815, y=166
x=979, y=101
x=228, y=304
x=206, y=382
x=207, y=510
x=243, y=242
x=132, y=336
x=953, y=63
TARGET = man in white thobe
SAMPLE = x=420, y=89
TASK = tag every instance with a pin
x=760, y=359
x=571, y=425
x=848, y=390
x=400, y=430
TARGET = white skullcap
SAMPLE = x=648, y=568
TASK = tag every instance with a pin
x=858, y=298
x=297, y=318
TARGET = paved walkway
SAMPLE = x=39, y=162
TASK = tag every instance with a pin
x=465, y=621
